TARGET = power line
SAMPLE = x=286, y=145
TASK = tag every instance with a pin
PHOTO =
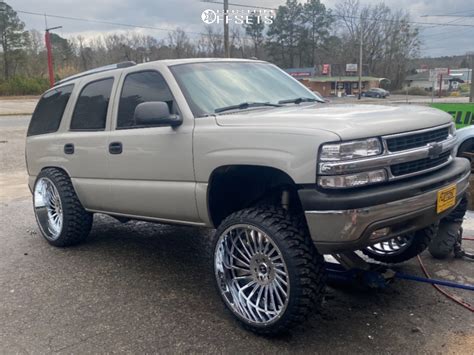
x=105, y=22
x=353, y=17
x=240, y=5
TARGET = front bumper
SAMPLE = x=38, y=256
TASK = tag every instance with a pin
x=343, y=220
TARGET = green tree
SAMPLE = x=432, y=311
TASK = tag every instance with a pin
x=254, y=29
x=285, y=33
x=13, y=38
x=62, y=50
x=317, y=22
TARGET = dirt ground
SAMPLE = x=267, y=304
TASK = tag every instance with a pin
x=142, y=287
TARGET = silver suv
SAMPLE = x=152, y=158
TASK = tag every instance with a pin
x=240, y=146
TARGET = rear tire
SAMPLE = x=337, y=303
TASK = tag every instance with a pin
x=264, y=247
x=61, y=218
x=412, y=245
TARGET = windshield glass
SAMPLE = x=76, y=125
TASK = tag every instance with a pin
x=212, y=86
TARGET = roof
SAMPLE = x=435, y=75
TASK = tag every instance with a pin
x=166, y=62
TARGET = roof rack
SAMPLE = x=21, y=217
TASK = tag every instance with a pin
x=97, y=70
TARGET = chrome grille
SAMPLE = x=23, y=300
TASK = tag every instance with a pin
x=416, y=140
x=419, y=165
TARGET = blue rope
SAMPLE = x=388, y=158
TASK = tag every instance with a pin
x=401, y=275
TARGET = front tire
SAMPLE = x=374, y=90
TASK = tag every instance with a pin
x=60, y=216
x=401, y=248
x=267, y=270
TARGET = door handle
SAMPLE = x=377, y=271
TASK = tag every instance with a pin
x=115, y=148
x=69, y=148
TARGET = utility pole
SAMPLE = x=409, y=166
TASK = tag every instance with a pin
x=360, y=65
x=471, y=95
x=226, y=29
x=47, y=40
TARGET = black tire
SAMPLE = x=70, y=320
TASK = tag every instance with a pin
x=444, y=241
x=467, y=147
x=304, y=266
x=76, y=221
x=419, y=241
x=449, y=231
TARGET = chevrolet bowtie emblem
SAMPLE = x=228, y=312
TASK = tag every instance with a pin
x=434, y=150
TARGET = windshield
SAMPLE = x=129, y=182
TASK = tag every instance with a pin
x=209, y=87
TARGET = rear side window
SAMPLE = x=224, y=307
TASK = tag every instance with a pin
x=49, y=111
x=90, y=112
x=141, y=87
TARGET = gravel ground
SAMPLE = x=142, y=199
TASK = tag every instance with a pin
x=140, y=287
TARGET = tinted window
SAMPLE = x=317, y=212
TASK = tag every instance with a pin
x=90, y=112
x=141, y=87
x=49, y=111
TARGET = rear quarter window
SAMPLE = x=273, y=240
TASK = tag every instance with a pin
x=90, y=113
x=49, y=111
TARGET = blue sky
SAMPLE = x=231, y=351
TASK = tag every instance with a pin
x=437, y=40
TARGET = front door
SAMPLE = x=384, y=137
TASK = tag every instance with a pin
x=151, y=171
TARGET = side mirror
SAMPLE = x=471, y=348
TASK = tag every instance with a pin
x=155, y=113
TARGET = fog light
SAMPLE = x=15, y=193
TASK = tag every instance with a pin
x=380, y=233
x=353, y=180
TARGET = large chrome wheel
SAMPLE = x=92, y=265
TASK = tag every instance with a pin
x=60, y=216
x=48, y=208
x=392, y=246
x=401, y=248
x=252, y=274
x=268, y=272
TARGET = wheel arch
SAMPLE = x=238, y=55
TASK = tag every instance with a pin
x=238, y=186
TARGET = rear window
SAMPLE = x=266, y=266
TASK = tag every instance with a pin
x=90, y=112
x=49, y=111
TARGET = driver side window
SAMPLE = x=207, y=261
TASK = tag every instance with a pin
x=141, y=87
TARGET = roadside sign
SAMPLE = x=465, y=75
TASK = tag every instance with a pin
x=326, y=69
x=437, y=72
x=442, y=71
x=351, y=67
x=463, y=113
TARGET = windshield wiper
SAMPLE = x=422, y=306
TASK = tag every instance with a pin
x=299, y=100
x=245, y=105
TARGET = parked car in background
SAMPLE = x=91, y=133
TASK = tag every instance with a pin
x=376, y=92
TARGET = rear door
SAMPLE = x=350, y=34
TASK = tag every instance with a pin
x=84, y=141
x=151, y=171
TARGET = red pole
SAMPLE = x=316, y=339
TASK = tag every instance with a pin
x=47, y=41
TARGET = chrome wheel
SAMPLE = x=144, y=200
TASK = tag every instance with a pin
x=48, y=208
x=392, y=246
x=251, y=274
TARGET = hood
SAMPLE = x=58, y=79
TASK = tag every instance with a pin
x=347, y=121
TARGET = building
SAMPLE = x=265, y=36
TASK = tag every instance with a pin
x=465, y=74
x=328, y=85
x=422, y=80
x=340, y=85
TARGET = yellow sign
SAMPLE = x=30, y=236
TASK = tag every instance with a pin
x=446, y=198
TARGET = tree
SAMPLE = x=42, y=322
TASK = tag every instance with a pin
x=285, y=32
x=389, y=40
x=13, y=38
x=179, y=41
x=317, y=21
x=254, y=29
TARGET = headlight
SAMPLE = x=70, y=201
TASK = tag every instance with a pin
x=351, y=150
x=452, y=129
x=352, y=180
